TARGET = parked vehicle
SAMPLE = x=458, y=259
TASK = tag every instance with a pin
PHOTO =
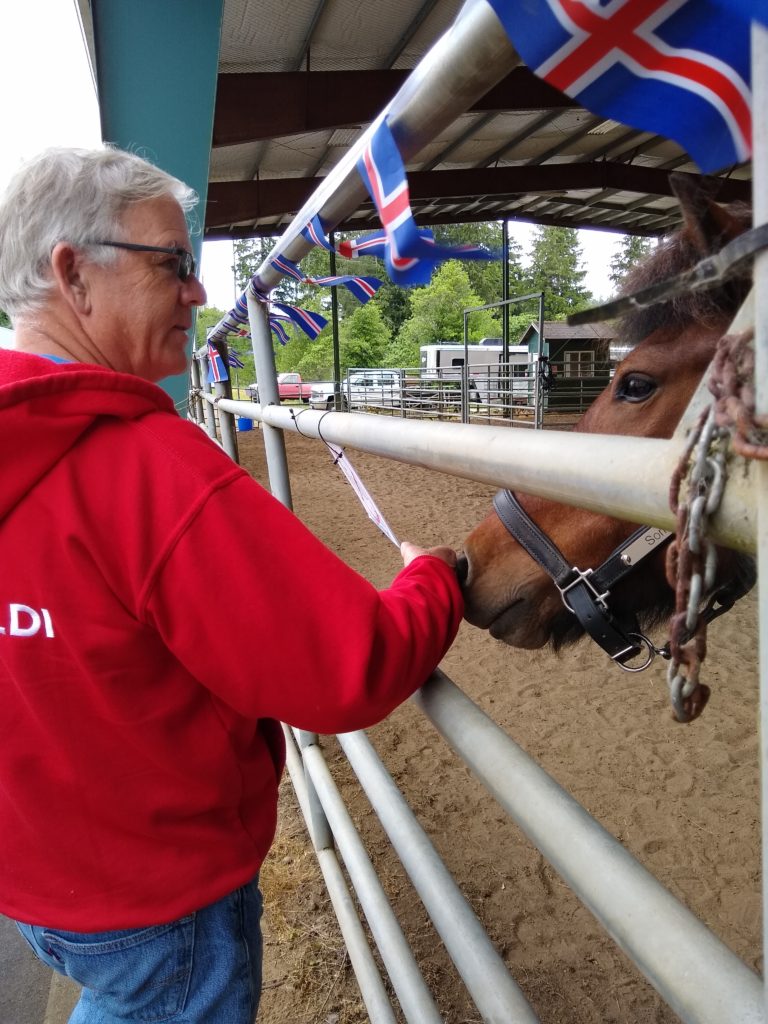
x=489, y=378
x=321, y=395
x=360, y=389
x=290, y=387
x=371, y=388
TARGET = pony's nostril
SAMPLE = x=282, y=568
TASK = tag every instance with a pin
x=462, y=569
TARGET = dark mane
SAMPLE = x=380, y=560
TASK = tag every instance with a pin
x=673, y=255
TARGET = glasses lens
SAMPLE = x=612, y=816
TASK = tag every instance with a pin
x=186, y=265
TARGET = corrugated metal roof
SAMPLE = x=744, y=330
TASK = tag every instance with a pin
x=287, y=111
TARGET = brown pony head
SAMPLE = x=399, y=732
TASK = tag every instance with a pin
x=672, y=343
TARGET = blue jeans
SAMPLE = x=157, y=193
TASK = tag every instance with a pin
x=202, y=969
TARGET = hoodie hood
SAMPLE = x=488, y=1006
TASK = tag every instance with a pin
x=46, y=407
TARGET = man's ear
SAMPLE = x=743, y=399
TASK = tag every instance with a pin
x=67, y=267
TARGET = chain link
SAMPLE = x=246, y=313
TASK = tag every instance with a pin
x=691, y=557
x=692, y=561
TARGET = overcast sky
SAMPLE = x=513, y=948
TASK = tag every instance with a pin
x=49, y=99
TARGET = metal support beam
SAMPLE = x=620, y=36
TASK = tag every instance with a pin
x=233, y=202
x=252, y=107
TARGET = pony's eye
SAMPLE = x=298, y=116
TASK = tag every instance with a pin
x=635, y=387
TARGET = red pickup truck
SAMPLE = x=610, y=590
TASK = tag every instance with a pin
x=291, y=386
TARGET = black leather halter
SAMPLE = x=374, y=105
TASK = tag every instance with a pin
x=585, y=592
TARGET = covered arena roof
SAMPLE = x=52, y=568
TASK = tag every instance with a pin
x=297, y=82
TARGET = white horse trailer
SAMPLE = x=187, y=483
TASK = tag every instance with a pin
x=489, y=377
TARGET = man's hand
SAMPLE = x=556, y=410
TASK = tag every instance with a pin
x=410, y=551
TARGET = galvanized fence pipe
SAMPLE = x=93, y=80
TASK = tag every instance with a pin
x=372, y=989
x=693, y=971
x=494, y=992
x=266, y=376
x=415, y=998
x=599, y=472
x=196, y=404
x=222, y=391
x=207, y=394
x=760, y=216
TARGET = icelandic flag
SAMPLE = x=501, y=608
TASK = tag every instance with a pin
x=234, y=359
x=363, y=288
x=311, y=323
x=677, y=68
x=366, y=245
x=314, y=233
x=286, y=266
x=279, y=330
x=217, y=371
x=410, y=253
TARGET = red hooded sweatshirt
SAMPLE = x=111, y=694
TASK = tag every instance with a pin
x=159, y=613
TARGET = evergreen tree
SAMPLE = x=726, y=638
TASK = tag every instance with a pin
x=437, y=315
x=5, y=320
x=485, y=276
x=633, y=250
x=555, y=270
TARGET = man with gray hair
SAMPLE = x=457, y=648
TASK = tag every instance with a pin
x=139, y=753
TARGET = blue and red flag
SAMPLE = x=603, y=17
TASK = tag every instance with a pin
x=314, y=233
x=677, y=68
x=233, y=358
x=410, y=253
x=311, y=323
x=363, y=288
x=217, y=371
x=277, y=327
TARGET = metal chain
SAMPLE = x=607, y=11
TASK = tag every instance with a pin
x=692, y=557
x=732, y=384
x=692, y=561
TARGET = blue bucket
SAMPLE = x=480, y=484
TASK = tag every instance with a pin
x=243, y=423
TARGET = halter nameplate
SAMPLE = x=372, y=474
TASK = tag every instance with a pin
x=643, y=546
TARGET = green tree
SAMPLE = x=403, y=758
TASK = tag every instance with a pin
x=437, y=314
x=633, y=250
x=486, y=276
x=364, y=337
x=206, y=318
x=555, y=270
x=394, y=304
x=5, y=320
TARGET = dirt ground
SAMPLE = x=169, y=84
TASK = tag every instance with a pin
x=682, y=799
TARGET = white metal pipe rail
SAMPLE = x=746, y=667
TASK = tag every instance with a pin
x=415, y=998
x=760, y=216
x=367, y=973
x=494, y=992
x=693, y=971
x=595, y=471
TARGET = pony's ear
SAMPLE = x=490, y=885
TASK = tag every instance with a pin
x=708, y=225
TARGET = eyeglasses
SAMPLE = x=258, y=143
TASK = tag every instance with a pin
x=186, y=267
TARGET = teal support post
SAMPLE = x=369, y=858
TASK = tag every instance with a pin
x=156, y=68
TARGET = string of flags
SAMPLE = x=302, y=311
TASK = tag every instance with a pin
x=363, y=288
x=677, y=68
x=410, y=253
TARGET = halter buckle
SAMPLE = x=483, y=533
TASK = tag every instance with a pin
x=582, y=576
